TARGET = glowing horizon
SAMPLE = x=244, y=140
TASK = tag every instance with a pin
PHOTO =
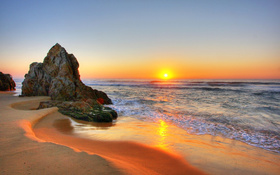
x=192, y=71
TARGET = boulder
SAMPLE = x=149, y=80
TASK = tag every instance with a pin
x=6, y=82
x=58, y=77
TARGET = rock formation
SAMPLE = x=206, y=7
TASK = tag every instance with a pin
x=6, y=82
x=58, y=77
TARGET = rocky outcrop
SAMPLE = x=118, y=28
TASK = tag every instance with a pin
x=58, y=77
x=6, y=82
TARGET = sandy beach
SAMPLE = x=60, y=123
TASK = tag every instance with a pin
x=45, y=142
x=45, y=150
x=140, y=87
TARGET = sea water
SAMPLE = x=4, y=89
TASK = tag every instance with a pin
x=243, y=110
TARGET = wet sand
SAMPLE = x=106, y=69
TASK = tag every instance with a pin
x=46, y=150
x=214, y=155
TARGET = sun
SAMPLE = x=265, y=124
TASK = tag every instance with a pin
x=165, y=76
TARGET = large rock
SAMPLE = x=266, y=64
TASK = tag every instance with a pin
x=6, y=82
x=58, y=77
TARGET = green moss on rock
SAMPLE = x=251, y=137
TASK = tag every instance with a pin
x=92, y=115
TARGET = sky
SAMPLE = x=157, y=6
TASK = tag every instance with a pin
x=186, y=39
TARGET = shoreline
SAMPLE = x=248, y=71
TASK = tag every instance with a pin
x=134, y=157
x=21, y=155
x=110, y=157
x=212, y=154
x=50, y=135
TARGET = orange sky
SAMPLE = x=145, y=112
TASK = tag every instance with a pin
x=183, y=69
x=154, y=66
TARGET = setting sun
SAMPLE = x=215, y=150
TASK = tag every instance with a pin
x=165, y=76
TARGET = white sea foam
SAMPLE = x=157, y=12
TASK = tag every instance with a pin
x=248, y=111
x=245, y=110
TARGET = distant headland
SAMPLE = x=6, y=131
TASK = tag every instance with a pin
x=6, y=82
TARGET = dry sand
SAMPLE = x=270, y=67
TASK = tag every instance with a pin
x=45, y=150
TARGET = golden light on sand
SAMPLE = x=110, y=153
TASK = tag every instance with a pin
x=162, y=133
x=162, y=129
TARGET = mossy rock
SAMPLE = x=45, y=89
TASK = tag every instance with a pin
x=75, y=114
x=103, y=117
x=112, y=112
x=93, y=115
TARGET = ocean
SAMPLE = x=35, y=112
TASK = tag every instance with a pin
x=243, y=110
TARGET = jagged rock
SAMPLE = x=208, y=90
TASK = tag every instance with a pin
x=58, y=77
x=6, y=82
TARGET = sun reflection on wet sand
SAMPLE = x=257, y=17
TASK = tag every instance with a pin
x=204, y=151
x=162, y=133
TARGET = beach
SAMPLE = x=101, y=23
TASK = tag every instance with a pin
x=48, y=151
x=140, y=87
x=42, y=141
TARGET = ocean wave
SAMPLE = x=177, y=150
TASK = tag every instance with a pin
x=270, y=86
x=247, y=110
x=190, y=82
x=167, y=86
x=205, y=124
